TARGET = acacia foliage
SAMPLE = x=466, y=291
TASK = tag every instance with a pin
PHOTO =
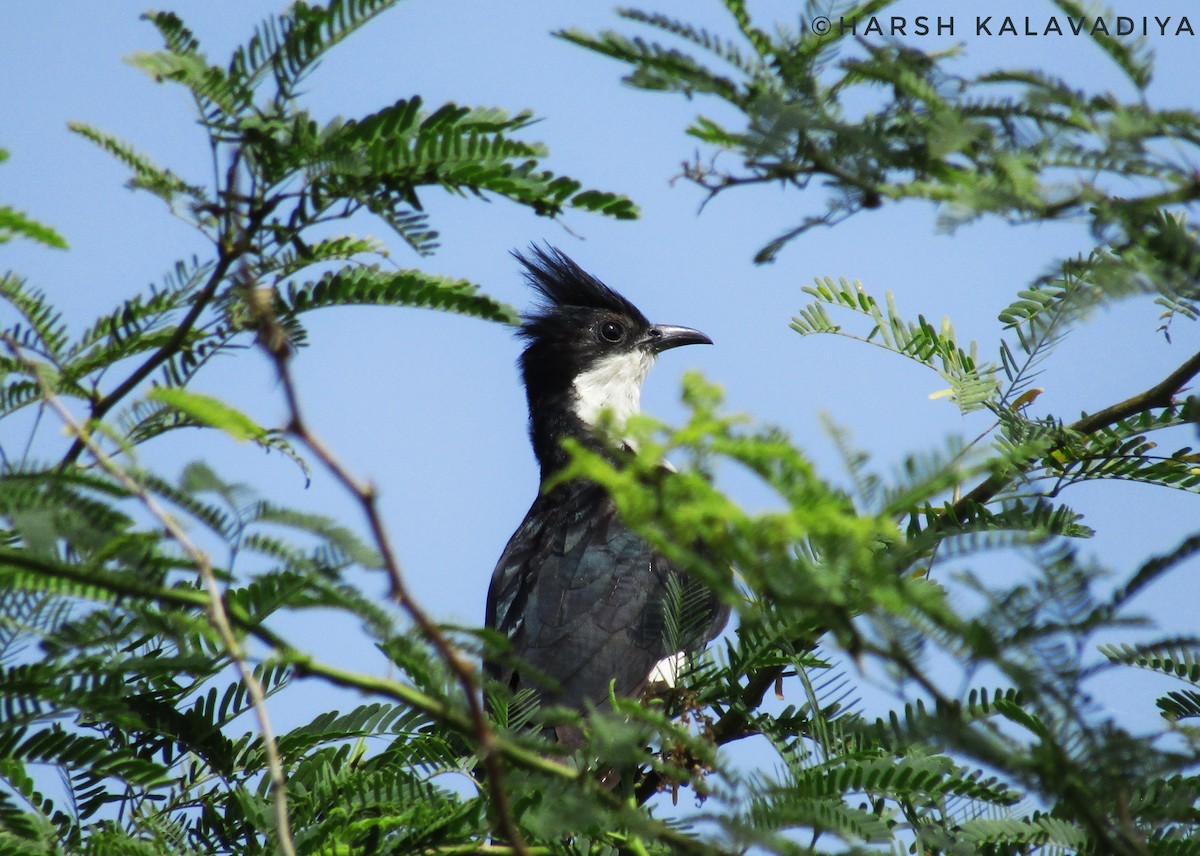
x=116, y=665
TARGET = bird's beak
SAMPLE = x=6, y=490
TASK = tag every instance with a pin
x=663, y=337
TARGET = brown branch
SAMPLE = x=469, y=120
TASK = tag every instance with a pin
x=1162, y=394
x=367, y=497
x=228, y=253
x=216, y=602
x=169, y=348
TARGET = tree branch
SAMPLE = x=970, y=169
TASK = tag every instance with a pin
x=367, y=497
x=1162, y=394
x=228, y=253
x=169, y=348
x=215, y=601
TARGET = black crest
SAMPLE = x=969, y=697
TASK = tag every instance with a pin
x=562, y=284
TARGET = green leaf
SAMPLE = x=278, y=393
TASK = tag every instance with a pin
x=1123, y=49
x=210, y=411
x=147, y=175
x=973, y=385
x=290, y=45
x=41, y=328
x=612, y=204
x=1179, y=658
x=372, y=286
x=14, y=224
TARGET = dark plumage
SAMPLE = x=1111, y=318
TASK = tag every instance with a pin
x=581, y=596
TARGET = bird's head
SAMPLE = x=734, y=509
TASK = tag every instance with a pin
x=588, y=350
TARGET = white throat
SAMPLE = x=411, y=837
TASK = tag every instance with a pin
x=615, y=384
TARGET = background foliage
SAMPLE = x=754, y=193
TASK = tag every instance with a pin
x=142, y=640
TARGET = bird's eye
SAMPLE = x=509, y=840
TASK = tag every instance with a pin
x=611, y=331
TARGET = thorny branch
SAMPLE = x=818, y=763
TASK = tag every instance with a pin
x=216, y=601
x=274, y=342
x=1162, y=394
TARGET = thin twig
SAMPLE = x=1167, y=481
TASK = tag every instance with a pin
x=216, y=601
x=229, y=251
x=1162, y=394
x=168, y=349
x=367, y=497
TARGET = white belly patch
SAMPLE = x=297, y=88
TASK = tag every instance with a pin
x=666, y=671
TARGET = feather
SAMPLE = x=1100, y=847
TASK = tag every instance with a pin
x=582, y=599
x=561, y=283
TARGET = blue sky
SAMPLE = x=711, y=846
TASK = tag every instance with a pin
x=429, y=406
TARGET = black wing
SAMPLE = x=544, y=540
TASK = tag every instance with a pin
x=582, y=599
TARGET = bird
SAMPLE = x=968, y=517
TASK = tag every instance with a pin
x=580, y=596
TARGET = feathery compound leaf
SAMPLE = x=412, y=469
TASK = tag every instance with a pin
x=14, y=224
x=118, y=331
x=1131, y=55
x=290, y=45
x=384, y=158
x=657, y=67
x=1181, y=704
x=302, y=255
x=1180, y=658
x=1124, y=450
x=146, y=174
x=1028, y=834
x=42, y=331
x=220, y=99
x=327, y=529
x=369, y=285
x=1041, y=318
x=700, y=37
x=972, y=385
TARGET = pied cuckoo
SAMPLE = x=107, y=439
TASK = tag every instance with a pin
x=580, y=596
